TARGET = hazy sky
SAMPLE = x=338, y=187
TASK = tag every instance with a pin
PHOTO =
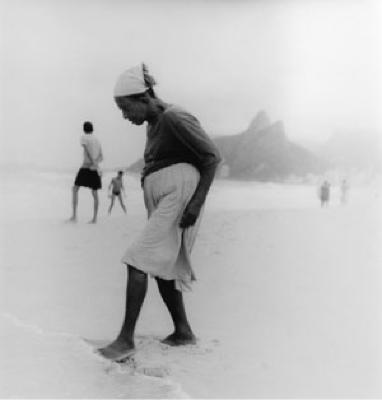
x=316, y=65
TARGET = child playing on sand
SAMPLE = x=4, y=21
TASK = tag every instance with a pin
x=116, y=187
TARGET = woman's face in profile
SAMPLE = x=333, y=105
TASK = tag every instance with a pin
x=132, y=109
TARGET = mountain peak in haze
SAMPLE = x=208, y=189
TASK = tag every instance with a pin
x=277, y=131
x=260, y=122
x=263, y=152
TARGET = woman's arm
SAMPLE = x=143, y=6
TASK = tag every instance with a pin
x=88, y=154
x=189, y=131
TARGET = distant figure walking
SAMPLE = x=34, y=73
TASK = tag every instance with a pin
x=344, y=192
x=325, y=193
x=117, y=188
x=88, y=175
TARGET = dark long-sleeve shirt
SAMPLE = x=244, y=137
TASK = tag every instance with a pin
x=177, y=137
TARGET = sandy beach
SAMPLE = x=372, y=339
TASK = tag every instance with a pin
x=287, y=301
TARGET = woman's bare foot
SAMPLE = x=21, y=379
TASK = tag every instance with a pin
x=119, y=350
x=176, y=339
x=72, y=219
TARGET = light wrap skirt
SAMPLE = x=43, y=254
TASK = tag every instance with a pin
x=163, y=248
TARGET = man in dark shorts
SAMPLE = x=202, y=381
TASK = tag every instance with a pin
x=88, y=175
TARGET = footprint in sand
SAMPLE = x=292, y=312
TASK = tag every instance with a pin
x=155, y=371
x=150, y=350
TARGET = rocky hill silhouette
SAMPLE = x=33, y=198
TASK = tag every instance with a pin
x=263, y=152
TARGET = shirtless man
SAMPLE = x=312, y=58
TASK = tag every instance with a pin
x=117, y=188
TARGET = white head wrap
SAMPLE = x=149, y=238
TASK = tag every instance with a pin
x=130, y=82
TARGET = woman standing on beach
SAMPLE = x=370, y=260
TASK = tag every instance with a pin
x=180, y=165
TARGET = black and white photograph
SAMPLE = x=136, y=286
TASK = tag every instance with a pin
x=191, y=199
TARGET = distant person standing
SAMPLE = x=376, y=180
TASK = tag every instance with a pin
x=325, y=194
x=344, y=191
x=116, y=187
x=88, y=175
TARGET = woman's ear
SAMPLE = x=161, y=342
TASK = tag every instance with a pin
x=145, y=98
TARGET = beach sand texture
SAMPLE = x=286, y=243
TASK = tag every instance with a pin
x=287, y=301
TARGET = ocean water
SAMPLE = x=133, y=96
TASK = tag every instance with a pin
x=42, y=364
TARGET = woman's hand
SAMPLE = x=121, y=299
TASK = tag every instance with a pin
x=189, y=217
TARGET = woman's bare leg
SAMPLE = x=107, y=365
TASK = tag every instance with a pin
x=135, y=294
x=173, y=299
